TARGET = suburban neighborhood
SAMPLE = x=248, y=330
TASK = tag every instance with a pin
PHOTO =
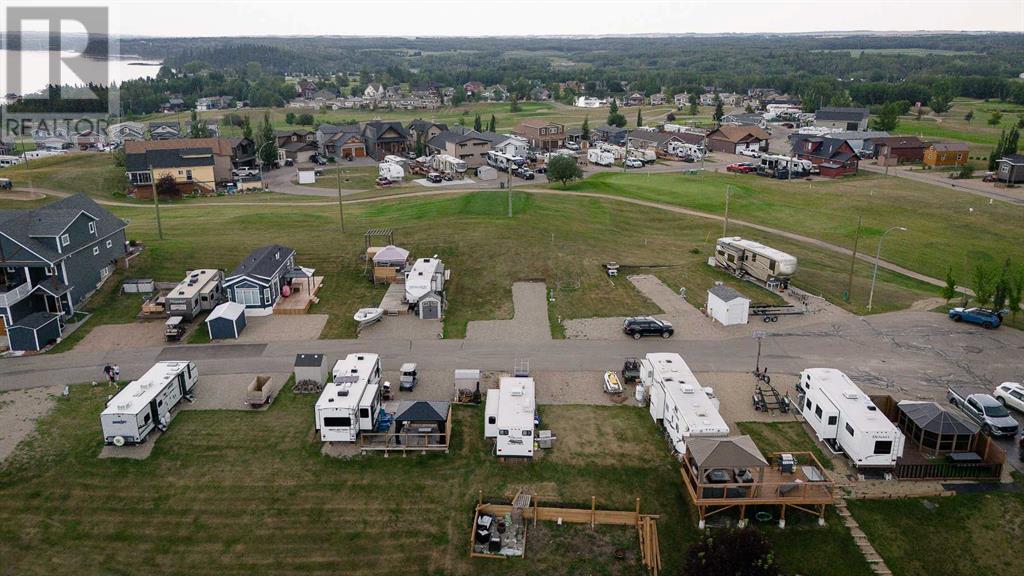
x=700, y=304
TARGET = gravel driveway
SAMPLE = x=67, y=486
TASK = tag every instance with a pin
x=283, y=327
x=119, y=336
x=228, y=392
x=529, y=322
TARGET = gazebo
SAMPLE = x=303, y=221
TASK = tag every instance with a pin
x=934, y=429
x=428, y=421
x=736, y=456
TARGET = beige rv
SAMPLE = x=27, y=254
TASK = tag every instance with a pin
x=749, y=258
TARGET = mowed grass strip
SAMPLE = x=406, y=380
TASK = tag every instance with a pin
x=230, y=492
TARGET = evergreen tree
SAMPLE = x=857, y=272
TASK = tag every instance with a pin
x=421, y=149
x=969, y=116
x=939, y=103
x=247, y=128
x=477, y=124
x=888, y=118
x=1001, y=291
x=585, y=129
x=997, y=152
x=267, y=142
x=694, y=106
x=639, y=118
x=719, y=109
x=492, y=126
x=197, y=129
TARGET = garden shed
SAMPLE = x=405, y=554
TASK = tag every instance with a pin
x=312, y=367
x=727, y=306
x=226, y=321
x=934, y=429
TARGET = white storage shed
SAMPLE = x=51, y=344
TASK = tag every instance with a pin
x=727, y=306
x=311, y=367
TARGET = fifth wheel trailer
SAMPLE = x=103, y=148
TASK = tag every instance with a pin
x=749, y=258
x=351, y=403
x=846, y=420
x=677, y=400
x=146, y=403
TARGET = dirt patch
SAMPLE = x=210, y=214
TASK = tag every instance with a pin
x=735, y=392
x=22, y=195
x=133, y=452
x=528, y=324
x=120, y=336
x=283, y=327
x=19, y=412
x=227, y=392
x=612, y=550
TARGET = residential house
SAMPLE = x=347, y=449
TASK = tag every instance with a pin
x=425, y=129
x=682, y=99
x=512, y=146
x=644, y=139
x=540, y=94
x=574, y=135
x=228, y=153
x=861, y=140
x=384, y=138
x=542, y=134
x=306, y=89
x=610, y=134
x=191, y=168
x=214, y=103
x=88, y=139
x=892, y=150
x=209, y=127
x=373, y=91
x=833, y=156
x=7, y=148
x=469, y=146
x=124, y=131
x=634, y=99
x=52, y=258
x=298, y=152
x=732, y=138
x=658, y=99
x=340, y=141
x=256, y=283
x=841, y=118
x=323, y=96
x=173, y=105
x=393, y=91
x=1010, y=169
x=473, y=87
x=943, y=154
x=164, y=130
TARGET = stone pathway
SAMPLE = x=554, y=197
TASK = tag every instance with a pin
x=874, y=559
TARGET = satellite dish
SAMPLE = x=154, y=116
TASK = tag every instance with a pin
x=118, y=440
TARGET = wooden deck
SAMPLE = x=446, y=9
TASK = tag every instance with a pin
x=303, y=296
x=406, y=442
x=809, y=488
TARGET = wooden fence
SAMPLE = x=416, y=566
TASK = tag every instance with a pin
x=948, y=471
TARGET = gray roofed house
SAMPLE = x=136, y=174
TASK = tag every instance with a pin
x=52, y=259
x=170, y=158
x=385, y=138
x=842, y=118
x=725, y=293
x=256, y=283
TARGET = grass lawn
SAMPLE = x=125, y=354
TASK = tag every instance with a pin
x=352, y=178
x=952, y=125
x=942, y=231
x=965, y=534
x=782, y=437
x=231, y=492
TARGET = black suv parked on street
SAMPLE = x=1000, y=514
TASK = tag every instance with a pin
x=646, y=326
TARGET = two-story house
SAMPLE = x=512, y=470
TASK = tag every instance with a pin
x=469, y=146
x=164, y=130
x=542, y=134
x=52, y=259
x=340, y=141
x=191, y=168
x=385, y=138
x=423, y=129
x=841, y=118
x=833, y=156
x=228, y=153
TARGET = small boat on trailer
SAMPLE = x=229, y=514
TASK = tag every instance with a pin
x=612, y=383
x=367, y=316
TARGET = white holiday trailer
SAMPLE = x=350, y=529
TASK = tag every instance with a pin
x=600, y=157
x=846, y=420
x=146, y=403
x=516, y=410
x=746, y=257
x=391, y=171
x=350, y=404
x=677, y=400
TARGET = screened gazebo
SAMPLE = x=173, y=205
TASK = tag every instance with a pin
x=935, y=430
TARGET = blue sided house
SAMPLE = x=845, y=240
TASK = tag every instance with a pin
x=257, y=282
x=52, y=259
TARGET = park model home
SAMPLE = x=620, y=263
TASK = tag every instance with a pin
x=424, y=287
x=350, y=404
x=146, y=403
x=677, y=400
x=51, y=259
x=257, y=282
x=846, y=420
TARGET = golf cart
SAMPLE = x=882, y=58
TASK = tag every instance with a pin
x=408, y=380
x=5, y=184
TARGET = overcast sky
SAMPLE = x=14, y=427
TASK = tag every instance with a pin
x=548, y=17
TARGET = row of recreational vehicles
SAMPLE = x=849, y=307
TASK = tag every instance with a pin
x=748, y=258
x=677, y=401
x=504, y=162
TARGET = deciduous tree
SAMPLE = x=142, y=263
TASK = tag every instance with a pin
x=563, y=169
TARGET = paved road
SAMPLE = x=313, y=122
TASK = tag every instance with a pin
x=912, y=354
x=939, y=179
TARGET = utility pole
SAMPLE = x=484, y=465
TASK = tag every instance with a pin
x=341, y=209
x=509, y=186
x=156, y=204
x=853, y=259
x=725, y=222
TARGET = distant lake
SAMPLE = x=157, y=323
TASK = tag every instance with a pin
x=35, y=70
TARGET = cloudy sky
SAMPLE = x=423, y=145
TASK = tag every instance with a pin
x=549, y=17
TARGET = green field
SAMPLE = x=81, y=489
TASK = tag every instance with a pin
x=230, y=492
x=943, y=231
x=952, y=125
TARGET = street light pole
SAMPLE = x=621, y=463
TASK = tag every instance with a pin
x=259, y=160
x=156, y=204
x=878, y=255
x=341, y=209
x=725, y=222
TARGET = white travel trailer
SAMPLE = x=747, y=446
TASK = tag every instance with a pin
x=515, y=416
x=391, y=171
x=677, y=400
x=6, y=161
x=499, y=160
x=771, y=163
x=392, y=159
x=491, y=413
x=749, y=258
x=685, y=149
x=425, y=276
x=600, y=157
x=618, y=152
x=846, y=420
x=350, y=404
x=647, y=156
x=146, y=403
x=446, y=163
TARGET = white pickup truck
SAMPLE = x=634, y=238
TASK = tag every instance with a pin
x=985, y=411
